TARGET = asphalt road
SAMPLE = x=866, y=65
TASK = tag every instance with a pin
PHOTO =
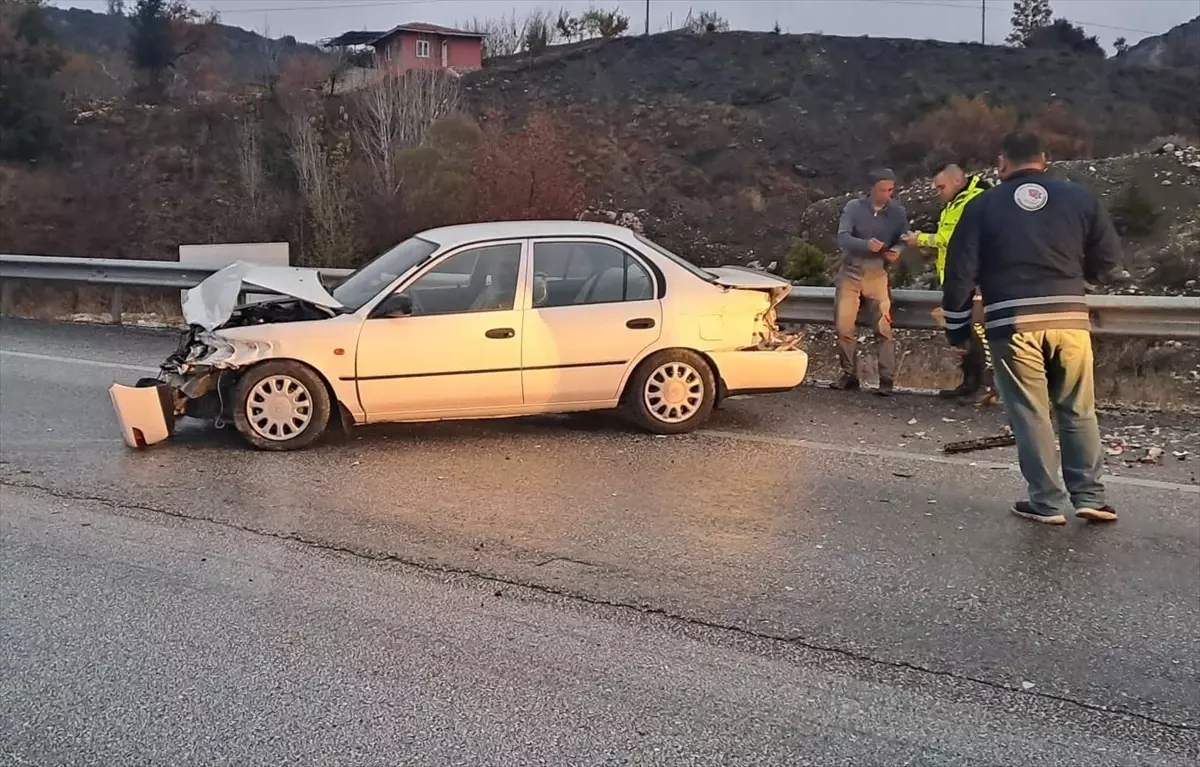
x=806, y=580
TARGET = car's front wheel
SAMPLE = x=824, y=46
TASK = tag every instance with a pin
x=281, y=405
x=671, y=392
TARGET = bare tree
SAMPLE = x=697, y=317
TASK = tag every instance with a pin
x=320, y=170
x=270, y=61
x=505, y=35
x=394, y=114
x=250, y=165
x=704, y=23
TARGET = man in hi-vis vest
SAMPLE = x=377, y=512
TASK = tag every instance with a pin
x=957, y=189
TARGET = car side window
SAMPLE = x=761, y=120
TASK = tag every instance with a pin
x=581, y=273
x=480, y=279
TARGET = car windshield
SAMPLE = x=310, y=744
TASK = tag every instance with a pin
x=701, y=273
x=366, y=282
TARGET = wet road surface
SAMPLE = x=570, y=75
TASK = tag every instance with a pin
x=806, y=523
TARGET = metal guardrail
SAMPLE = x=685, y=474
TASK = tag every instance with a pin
x=1165, y=317
x=1132, y=316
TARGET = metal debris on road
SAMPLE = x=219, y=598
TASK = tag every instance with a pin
x=985, y=443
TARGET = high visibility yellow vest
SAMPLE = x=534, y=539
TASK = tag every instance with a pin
x=947, y=221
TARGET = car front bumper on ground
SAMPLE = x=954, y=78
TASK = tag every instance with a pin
x=145, y=412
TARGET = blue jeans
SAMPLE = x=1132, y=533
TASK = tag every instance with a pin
x=1044, y=371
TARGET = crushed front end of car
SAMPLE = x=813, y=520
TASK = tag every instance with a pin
x=197, y=378
x=193, y=381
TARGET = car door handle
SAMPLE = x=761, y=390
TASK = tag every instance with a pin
x=641, y=323
x=500, y=333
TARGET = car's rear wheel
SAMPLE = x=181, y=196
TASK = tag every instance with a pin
x=281, y=405
x=671, y=392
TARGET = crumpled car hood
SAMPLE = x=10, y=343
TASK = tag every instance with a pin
x=211, y=303
x=744, y=278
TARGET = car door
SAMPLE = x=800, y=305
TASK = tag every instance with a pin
x=593, y=310
x=456, y=350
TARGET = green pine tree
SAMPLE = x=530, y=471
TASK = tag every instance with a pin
x=1028, y=17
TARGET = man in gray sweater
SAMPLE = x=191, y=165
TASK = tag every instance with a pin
x=869, y=235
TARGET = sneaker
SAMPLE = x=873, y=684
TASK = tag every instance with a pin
x=886, y=387
x=845, y=383
x=1025, y=510
x=1103, y=513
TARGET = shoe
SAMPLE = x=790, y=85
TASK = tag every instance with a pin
x=845, y=383
x=987, y=396
x=1025, y=510
x=965, y=389
x=1103, y=513
x=886, y=387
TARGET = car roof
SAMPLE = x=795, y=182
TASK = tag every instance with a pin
x=451, y=235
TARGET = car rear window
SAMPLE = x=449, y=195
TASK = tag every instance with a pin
x=688, y=265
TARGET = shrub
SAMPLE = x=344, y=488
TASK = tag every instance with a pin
x=1132, y=212
x=438, y=186
x=527, y=174
x=1064, y=36
x=30, y=104
x=1178, y=267
x=969, y=130
x=1065, y=136
x=806, y=264
x=706, y=22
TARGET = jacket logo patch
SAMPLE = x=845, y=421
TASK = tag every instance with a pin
x=1031, y=197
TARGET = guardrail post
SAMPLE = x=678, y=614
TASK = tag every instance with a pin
x=6, y=297
x=117, y=295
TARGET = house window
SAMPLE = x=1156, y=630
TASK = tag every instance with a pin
x=422, y=49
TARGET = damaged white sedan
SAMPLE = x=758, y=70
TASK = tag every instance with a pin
x=475, y=321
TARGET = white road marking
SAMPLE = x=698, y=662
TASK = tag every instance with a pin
x=77, y=361
x=882, y=452
x=876, y=452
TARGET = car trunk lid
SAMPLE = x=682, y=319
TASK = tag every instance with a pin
x=744, y=278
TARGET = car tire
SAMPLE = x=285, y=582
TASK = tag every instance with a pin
x=281, y=405
x=671, y=392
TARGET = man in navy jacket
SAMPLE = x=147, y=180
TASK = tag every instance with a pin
x=1031, y=244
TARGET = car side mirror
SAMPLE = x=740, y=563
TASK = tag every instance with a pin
x=395, y=305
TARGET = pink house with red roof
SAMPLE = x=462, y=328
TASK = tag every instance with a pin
x=428, y=46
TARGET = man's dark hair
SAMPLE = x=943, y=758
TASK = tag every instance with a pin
x=945, y=166
x=1021, y=147
x=880, y=174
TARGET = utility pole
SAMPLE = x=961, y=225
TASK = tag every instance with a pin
x=982, y=21
x=647, y=17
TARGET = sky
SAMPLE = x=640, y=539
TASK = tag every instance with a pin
x=953, y=20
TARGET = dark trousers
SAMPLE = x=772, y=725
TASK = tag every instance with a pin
x=976, y=361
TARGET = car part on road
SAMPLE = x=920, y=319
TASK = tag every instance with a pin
x=145, y=411
x=985, y=443
x=672, y=392
x=281, y=405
